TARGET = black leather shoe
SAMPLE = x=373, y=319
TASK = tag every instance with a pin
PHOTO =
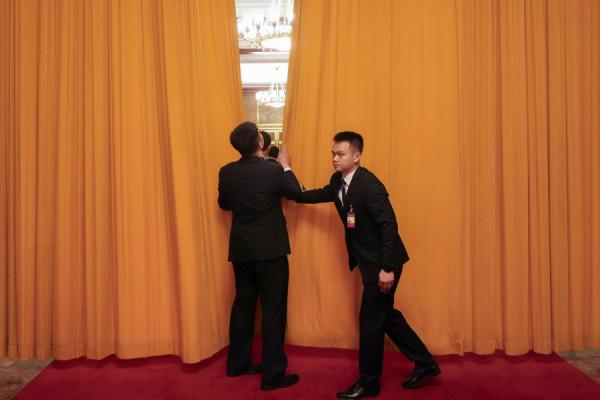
x=253, y=369
x=358, y=391
x=282, y=381
x=420, y=375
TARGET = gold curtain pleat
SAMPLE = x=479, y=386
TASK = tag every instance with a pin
x=6, y=109
x=481, y=117
x=112, y=241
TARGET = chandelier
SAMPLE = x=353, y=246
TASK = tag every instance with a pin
x=270, y=31
x=275, y=96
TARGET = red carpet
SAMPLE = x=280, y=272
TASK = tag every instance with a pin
x=322, y=373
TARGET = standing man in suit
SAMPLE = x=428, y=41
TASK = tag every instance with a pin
x=373, y=243
x=251, y=188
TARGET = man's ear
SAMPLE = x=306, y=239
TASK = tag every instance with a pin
x=357, y=157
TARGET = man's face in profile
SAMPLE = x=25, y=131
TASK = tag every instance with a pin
x=345, y=157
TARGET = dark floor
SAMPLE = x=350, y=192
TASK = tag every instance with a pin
x=14, y=374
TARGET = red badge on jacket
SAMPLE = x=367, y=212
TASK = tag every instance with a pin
x=351, y=218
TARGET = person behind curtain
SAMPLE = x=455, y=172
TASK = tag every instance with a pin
x=266, y=144
x=251, y=188
x=372, y=243
x=273, y=154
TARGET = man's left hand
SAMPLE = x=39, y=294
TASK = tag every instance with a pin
x=386, y=281
x=284, y=158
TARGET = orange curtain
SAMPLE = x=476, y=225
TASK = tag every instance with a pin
x=481, y=117
x=111, y=240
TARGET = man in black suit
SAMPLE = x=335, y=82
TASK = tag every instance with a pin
x=372, y=243
x=258, y=247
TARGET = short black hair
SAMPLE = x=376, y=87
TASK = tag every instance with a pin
x=244, y=138
x=273, y=152
x=355, y=139
x=267, y=140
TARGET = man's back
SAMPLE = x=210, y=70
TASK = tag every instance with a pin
x=252, y=188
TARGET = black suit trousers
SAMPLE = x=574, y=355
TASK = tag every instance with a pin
x=378, y=317
x=269, y=281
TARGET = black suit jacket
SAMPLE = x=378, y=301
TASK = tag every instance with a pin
x=252, y=188
x=374, y=242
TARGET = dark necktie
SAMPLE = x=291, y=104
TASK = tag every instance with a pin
x=343, y=191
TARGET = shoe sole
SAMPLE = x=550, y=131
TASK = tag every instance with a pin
x=428, y=377
x=363, y=396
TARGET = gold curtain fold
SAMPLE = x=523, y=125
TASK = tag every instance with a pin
x=5, y=111
x=481, y=117
x=111, y=239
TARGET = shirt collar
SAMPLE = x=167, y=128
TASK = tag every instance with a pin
x=349, y=177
